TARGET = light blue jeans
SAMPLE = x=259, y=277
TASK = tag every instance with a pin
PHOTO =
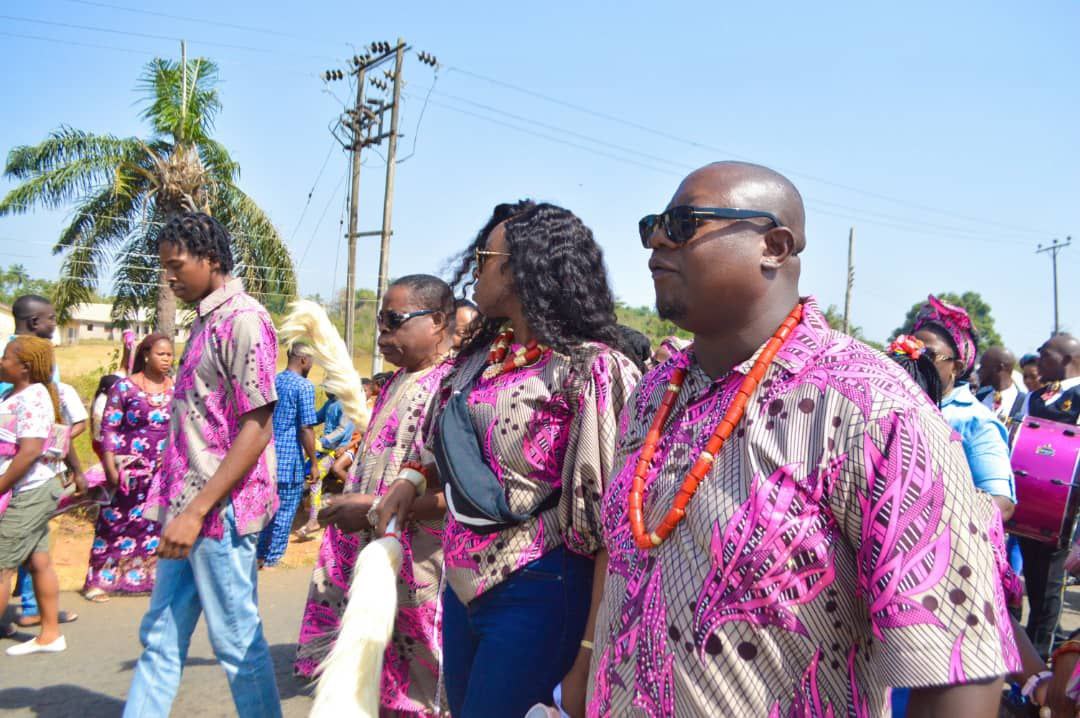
x=219, y=579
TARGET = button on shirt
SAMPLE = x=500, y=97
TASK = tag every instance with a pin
x=985, y=440
x=295, y=410
x=227, y=370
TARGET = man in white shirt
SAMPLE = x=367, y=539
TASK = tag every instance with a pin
x=997, y=389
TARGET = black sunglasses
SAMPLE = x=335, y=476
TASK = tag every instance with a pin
x=682, y=222
x=392, y=321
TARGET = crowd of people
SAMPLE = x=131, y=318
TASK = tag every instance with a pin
x=770, y=518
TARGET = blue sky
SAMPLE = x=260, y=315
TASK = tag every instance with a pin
x=944, y=132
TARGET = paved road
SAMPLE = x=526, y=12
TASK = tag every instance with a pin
x=91, y=678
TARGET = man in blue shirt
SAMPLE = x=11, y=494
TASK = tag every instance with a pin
x=294, y=417
x=337, y=428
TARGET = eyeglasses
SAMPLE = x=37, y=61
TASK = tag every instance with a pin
x=391, y=321
x=937, y=358
x=682, y=222
x=482, y=254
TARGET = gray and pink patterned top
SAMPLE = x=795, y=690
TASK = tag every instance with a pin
x=541, y=430
x=837, y=546
x=227, y=370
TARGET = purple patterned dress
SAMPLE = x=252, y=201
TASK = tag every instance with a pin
x=135, y=429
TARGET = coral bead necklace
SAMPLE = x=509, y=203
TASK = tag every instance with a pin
x=502, y=361
x=636, y=498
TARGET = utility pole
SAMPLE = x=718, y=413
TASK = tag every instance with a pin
x=1053, y=249
x=850, y=279
x=354, y=195
x=362, y=126
x=388, y=201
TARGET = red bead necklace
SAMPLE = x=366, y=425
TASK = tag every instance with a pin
x=501, y=363
x=636, y=499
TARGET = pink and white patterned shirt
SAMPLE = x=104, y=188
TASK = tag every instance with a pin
x=543, y=428
x=227, y=370
x=836, y=548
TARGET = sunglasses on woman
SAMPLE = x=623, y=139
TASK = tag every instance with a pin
x=390, y=320
x=481, y=255
x=682, y=222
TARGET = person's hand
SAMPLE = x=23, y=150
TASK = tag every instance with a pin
x=180, y=535
x=575, y=684
x=396, y=502
x=313, y=475
x=1061, y=706
x=349, y=512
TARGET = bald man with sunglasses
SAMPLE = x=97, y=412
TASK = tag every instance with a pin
x=791, y=528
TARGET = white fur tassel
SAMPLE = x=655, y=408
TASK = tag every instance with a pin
x=351, y=676
x=307, y=322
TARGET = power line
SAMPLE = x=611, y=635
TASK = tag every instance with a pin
x=314, y=184
x=149, y=36
x=909, y=225
x=78, y=44
x=712, y=148
x=315, y=232
x=218, y=23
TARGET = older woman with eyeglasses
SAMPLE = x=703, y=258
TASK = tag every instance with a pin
x=523, y=445
x=415, y=331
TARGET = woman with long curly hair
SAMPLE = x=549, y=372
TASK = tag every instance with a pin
x=134, y=431
x=523, y=445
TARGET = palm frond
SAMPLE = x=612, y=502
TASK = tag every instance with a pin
x=68, y=165
x=106, y=217
x=137, y=274
x=219, y=164
x=262, y=259
x=166, y=109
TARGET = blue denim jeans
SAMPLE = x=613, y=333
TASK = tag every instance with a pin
x=25, y=586
x=508, y=648
x=218, y=579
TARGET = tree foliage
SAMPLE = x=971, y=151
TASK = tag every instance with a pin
x=125, y=188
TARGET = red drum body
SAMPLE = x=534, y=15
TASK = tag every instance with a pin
x=1045, y=459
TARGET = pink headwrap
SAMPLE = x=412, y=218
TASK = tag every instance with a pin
x=956, y=323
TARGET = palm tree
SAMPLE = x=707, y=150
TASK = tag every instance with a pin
x=18, y=275
x=126, y=188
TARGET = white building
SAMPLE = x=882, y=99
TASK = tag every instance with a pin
x=95, y=322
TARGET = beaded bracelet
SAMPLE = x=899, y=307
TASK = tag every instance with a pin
x=1033, y=682
x=1065, y=648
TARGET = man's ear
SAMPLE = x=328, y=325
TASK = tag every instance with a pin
x=780, y=246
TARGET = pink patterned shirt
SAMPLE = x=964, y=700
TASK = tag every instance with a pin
x=543, y=428
x=837, y=546
x=227, y=370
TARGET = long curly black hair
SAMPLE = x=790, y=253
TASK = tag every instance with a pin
x=558, y=274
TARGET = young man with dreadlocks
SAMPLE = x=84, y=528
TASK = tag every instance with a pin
x=215, y=491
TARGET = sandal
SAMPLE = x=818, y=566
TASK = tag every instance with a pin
x=96, y=595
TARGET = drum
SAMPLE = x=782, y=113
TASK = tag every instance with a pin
x=1045, y=460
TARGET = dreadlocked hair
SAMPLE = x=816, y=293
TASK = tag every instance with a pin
x=37, y=355
x=558, y=273
x=201, y=236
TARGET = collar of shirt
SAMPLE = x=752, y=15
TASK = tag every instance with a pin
x=792, y=357
x=959, y=395
x=219, y=296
